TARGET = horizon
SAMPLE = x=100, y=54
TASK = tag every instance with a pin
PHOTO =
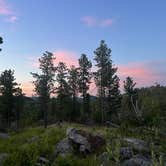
x=137, y=39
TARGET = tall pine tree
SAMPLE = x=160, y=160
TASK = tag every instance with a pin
x=73, y=80
x=44, y=82
x=107, y=81
x=85, y=66
x=63, y=91
x=1, y=41
x=8, y=87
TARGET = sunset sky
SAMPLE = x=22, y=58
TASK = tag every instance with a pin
x=134, y=29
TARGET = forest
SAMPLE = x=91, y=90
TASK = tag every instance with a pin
x=112, y=113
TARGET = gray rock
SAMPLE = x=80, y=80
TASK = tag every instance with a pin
x=33, y=139
x=42, y=161
x=104, y=159
x=3, y=157
x=79, y=139
x=137, y=144
x=126, y=153
x=63, y=148
x=4, y=135
x=137, y=160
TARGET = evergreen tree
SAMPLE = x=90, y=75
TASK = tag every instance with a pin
x=131, y=99
x=8, y=87
x=1, y=41
x=44, y=82
x=107, y=81
x=84, y=80
x=73, y=80
x=114, y=98
x=130, y=92
x=19, y=106
x=62, y=90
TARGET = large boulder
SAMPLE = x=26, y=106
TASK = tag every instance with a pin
x=79, y=142
x=3, y=157
x=4, y=135
x=137, y=160
x=126, y=153
x=85, y=142
x=137, y=145
x=63, y=148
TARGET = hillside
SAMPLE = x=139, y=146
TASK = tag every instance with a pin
x=39, y=146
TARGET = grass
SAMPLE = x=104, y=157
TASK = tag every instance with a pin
x=24, y=148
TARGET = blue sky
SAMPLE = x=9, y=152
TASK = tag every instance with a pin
x=135, y=30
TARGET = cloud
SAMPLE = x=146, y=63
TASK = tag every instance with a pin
x=93, y=21
x=107, y=22
x=68, y=57
x=4, y=8
x=145, y=74
x=12, y=19
x=27, y=88
x=7, y=12
x=89, y=20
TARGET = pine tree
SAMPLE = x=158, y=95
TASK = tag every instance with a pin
x=85, y=66
x=73, y=80
x=44, y=82
x=106, y=80
x=8, y=87
x=62, y=90
x=1, y=41
x=129, y=86
x=19, y=106
x=114, y=98
x=130, y=93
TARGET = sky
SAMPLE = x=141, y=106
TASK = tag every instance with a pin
x=135, y=30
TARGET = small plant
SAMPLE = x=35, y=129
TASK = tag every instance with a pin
x=156, y=161
x=114, y=151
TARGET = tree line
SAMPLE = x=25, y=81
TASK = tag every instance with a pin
x=63, y=94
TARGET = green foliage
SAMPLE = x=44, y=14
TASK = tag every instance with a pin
x=85, y=66
x=72, y=160
x=1, y=41
x=8, y=88
x=44, y=82
x=107, y=82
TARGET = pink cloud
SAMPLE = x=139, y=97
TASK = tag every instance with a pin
x=89, y=20
x=142, y=73
x=27, y=88
x=7, y=12
x=12, y=19
x=4, y=8
x=68, y=57
x=107, y=22
x=92, y=21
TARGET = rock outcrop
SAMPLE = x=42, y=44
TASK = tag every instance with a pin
x=79, y=141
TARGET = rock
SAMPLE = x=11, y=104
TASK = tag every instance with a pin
x=137, y=145
x=3, y=157
x=137, y=160
x=110, y=124
x=63, y=148
x=126, y=153
x=77, y=138
x=42, y=161
x=104, y=159
x=78, y=141
x=33, y=139
x=90, y=143
x=4, y=135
